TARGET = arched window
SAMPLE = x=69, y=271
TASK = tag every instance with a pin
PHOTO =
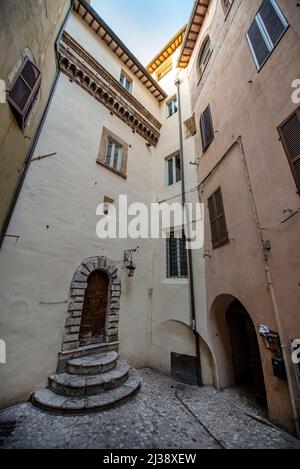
x=204, y=56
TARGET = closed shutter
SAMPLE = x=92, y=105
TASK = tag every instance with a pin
x=218, y=225
x=207, y=130
x=266, y=30
x=275, y=25
x=290, y=136
x=258, y=44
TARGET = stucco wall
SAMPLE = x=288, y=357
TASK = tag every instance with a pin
x=251, y=106
x=32, y=26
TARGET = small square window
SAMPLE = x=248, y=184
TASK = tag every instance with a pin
x=107, y=203
x=114, y=154
x=190, y=127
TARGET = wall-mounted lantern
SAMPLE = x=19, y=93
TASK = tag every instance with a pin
x=129, y=261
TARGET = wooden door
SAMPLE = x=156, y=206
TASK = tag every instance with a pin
x=92, y=328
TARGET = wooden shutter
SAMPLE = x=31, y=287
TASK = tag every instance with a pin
x=217, y=219
x=289, y=132
x=257, y=43
x=24, y=90
x=273, y=23
x=207, y=130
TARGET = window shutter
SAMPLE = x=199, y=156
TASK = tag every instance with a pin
x=258, y=44
x=24, y=90
x=217, y=219
x=213, y=221
x=290, y=136
x=272, y=21
x=207, y=131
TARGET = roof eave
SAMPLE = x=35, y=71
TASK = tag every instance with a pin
x=192, y=32
x=126, y=55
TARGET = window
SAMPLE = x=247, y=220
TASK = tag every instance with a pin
x=113, y=152
x=218, y=225
x=204, y=56
x=173, y=169
x=289, y=132
x=164, y=69
x=177, y=266
x=227, y=4
x=190, y=127
x=172, y=107
x=207, y=129
x=125, y=81
x=267, y=29
x=24, y=90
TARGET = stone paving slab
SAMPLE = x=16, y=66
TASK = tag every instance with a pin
x=154, y=419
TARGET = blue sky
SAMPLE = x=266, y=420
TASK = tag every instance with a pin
x=145, y=26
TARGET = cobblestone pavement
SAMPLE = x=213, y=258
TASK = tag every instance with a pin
x=160, y=416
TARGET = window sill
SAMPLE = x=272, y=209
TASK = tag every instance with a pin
x=176, y=281
x=171, y=115
x=118, y=173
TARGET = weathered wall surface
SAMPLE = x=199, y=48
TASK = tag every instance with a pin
x=55, y=218
x=251, y=106
x=171, y=297
x=25, y=27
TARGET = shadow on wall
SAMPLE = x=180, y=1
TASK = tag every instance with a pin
x=236, y=347
x=177, y=337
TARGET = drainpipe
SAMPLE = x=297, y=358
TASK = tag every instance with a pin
x=284, y=345
x=36, y=136
x=189, y=251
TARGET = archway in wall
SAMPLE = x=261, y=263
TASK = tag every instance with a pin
x=245, y=351
x=235, y=347
x=93, y=320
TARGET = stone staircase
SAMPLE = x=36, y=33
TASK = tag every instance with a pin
x=89, y=384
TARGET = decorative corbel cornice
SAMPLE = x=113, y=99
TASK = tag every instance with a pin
x=84, y=70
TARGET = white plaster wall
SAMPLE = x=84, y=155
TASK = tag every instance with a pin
x=62, y=192
x=171, y=298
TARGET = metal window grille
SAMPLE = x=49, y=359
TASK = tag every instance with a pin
x=177, y=265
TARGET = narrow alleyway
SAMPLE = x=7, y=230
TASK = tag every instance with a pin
x=161, y=416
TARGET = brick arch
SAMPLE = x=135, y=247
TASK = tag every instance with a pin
x=76, y=297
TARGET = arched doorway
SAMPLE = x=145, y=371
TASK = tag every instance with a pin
x=92, y=327
x=245, y=351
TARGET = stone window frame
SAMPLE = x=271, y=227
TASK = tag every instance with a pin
x=76, y=299
x=106, y=135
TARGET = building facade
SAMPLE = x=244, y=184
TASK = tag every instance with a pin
x=112, y=129
x=213, y=109
x=32, y=41
x=241, y=71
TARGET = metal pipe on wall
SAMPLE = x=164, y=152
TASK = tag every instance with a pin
x=189, y=251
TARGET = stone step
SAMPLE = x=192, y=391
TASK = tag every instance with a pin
x=93, y=364
x=48, y=400
x=74, y=385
